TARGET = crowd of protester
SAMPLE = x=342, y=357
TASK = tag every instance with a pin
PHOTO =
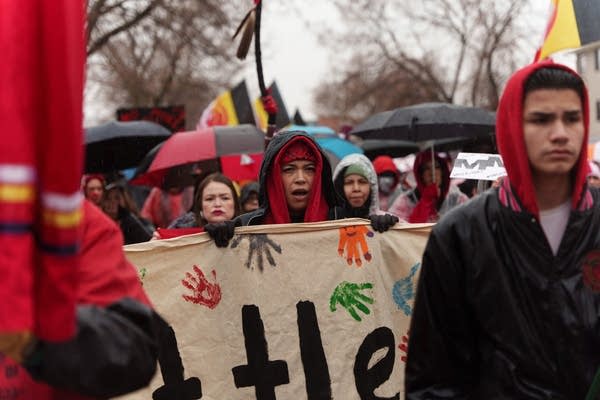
x=358, y=187
x=538, y=222
x=507, y=304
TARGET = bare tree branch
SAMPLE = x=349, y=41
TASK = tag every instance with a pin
x=96, y=43
x=440, y=50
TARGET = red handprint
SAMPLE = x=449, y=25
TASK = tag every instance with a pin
x=403, y=346
x=204, y=292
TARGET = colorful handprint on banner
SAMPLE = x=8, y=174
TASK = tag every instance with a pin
x=353, y=238
x=203, y=292
x=403, y=346
x=259, y=245
x=404, y=290
x=349, y=296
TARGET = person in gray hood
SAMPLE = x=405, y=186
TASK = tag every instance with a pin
x=355, y=181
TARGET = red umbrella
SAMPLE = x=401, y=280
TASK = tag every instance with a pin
x=237, y=151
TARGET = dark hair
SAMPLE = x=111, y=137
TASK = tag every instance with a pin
x=554, y=78
x=214, y=177
x=427, y=165
x=468, y=187
x=129, y=203
x=247, y=190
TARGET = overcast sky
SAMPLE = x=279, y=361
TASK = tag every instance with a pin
x=293, y=57
x=291, y=53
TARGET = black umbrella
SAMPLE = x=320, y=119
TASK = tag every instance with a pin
x=388, y=147
x=428, y=122
x=120, y=145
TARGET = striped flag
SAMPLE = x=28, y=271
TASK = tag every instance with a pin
x=229, y=108
x=573, y=23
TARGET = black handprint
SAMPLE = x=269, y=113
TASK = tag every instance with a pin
x=259, y=244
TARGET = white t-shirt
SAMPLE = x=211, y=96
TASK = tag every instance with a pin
x=554, y=223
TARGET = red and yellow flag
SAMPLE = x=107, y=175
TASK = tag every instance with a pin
x=229, y=108
x=572, y=24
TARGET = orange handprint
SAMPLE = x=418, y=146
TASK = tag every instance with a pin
x=351, y=238
x=204, y=292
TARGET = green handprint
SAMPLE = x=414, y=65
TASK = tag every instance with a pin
x=142, y=272
x=349, y=296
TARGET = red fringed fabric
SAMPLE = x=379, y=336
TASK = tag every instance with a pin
x=41, y=76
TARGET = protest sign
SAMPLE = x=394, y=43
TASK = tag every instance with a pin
x=314, y=311
x=481, y=166
x=171, y=117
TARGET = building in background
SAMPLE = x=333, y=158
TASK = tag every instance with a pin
x=588, y=66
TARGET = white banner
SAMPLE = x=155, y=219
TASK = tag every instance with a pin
x=308, y=311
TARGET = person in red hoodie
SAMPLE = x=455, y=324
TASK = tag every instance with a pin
x=388, y=180
x=508, y=297
x=433, y=196
x=115, y=347
x=93, y=186
x=74, y=321
x=296, y=185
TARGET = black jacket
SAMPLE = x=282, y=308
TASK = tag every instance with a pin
x=257, y=217
x=135, y=230
x=497, y=315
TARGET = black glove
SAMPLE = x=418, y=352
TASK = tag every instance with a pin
x=382, y=223
x=221, y=232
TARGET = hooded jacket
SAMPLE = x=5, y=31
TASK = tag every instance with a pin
x=338, y=183
x=497, y=314
x=247, y=190
x=323, y=195
x=385, y=164
x=423, y=204
x=115, y=347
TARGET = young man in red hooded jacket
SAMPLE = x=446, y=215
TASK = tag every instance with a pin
x=296, y=185
x=508, y=297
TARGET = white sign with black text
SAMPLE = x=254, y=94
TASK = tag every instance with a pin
x=480, y=166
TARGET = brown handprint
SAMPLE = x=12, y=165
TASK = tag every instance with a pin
x=351, y=238
x=204, y=292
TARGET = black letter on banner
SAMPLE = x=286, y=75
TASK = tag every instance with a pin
x=261, y=373
x=171, y=367
x=316, y=372
x=367, y=380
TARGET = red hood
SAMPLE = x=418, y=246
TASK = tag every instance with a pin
x=511, y=143
x=317, y=208
x=424, y=157
x=386, y=164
